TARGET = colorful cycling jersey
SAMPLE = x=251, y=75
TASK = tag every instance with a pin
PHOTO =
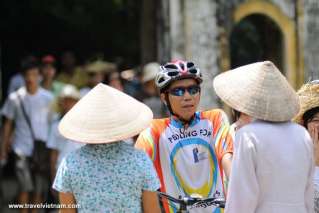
x=188, y=161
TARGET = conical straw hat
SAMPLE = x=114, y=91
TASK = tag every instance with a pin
x=259, y=90
x=149, y=71
x=309, y=99
x=100, y=66
x=68, y=91
x=105, y=115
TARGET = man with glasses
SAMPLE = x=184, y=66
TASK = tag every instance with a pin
x=191, y=150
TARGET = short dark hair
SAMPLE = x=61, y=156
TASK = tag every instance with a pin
x=235, y=114
x=28, y=64
x=308, y=115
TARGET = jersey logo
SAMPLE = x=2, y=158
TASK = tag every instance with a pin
x=198, y=156
x=195, y=154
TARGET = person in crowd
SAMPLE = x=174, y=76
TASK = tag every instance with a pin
x=17, y=81
x=150, y=92
x=272, y=169
x=308, y=117
x=96, y=72
x=191, y=150
x=131, y=82
x=59, y=145
x=48, y=72
x=26, y=115
x=107, y=175
x=70, y=73
x=114, y=80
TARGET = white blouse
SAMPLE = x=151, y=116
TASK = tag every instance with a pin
x=272, y=170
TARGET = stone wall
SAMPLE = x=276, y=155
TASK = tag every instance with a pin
x=311, y=39
x=194, y=32
x=286, y=6
x=203, y=46
x=199, y=31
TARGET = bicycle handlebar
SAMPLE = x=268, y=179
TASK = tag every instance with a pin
x=195, y=202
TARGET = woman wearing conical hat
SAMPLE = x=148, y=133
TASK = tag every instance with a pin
x=272, y=169
x=308, y=117
x=106, y=175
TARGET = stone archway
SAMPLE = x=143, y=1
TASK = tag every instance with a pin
x=256, y=38
x=287, y=27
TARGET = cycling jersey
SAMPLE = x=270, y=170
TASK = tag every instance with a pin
x=188, y=160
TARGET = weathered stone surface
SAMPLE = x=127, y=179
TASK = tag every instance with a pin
x=286, y=6
x=202, y=45
x=199, y=28
x=311, y=13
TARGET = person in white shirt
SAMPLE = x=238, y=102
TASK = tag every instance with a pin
x=17, y=80
x=273, y=166
x=240, y=120
x=308, y=117
x=36, y=103
x=59, y=145
x=15, y=83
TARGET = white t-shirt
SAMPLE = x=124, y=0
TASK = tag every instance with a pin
x=61, y=144
x=16, y=82
x=37, y=107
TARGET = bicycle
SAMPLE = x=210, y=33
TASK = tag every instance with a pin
x=193, y=201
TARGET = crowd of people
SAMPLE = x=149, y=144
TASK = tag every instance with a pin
x=103, y=150
x=39, y=95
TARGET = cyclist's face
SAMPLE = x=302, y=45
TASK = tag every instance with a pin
x=184, y=96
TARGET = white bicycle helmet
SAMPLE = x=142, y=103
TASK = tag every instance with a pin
x=176, y=70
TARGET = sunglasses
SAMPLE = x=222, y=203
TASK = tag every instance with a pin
x=180, y=91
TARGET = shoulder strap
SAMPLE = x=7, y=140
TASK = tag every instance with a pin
x=26, y=116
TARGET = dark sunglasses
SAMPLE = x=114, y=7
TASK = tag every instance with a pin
x=180, y=91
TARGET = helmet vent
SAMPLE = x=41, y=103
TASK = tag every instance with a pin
x=173, y=73
x=190, y=64
x=170, y=66
x=182, y=66
x=193, y=71
x=161, y=80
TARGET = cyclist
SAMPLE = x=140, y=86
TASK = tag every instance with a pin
x=190, y=150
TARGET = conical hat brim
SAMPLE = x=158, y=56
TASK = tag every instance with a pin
x=259, y=90
x=105, y=115
x=309, y=99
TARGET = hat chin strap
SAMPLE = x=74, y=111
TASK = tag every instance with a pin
x=184, y=121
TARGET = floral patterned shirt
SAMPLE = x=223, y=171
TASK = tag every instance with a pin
x=107, y=177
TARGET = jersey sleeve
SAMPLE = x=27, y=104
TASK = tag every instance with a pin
x=223, y=137
x=146, y=142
